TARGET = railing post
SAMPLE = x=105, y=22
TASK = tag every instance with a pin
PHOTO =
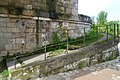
x=118, y=32
x=114, y=33
x=45, y=46
x=97, y=31
x=67, y=39
x=37, y=32
x=45, y=39
x=107, y=32
x=84, y=37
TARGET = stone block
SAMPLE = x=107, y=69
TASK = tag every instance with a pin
x=8, y=35
x=15, y=46
x=43, y=30
x=31, y=25
x=2, y=19
x=6, y=30
x=3, y=53
x=10, y=24
x=29, y=30
x=20, y=40
x=28, y=12
x=11, y=41
x=28, y=6
x=30, y=46
x=8, y=47
x=1, y=58
x=33, y=22
x=3, y=2
x=3, y=24
x=12, y=52
x=15, y=30
x=19, y=34
x=1, y=34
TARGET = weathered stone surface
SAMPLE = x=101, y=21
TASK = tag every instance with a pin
x=65, y=62
x=3, y=24
x=15, y=30
x=1, y=34
x=8, y=47
x=30, y=30
x=3, y=53
x=8, y=35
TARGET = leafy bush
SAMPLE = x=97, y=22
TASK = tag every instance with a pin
x=55, y=38
x=5, y=73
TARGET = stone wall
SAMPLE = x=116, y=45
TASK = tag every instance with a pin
x=16, y=35
x=88, y=56
x=39, y=8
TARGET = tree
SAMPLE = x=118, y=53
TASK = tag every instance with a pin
x=102, y=18
x=93, y=22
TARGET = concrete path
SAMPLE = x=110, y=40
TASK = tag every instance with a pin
x=12, y=64
x=103, y=38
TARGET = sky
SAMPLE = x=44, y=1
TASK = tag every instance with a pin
x=93, y=8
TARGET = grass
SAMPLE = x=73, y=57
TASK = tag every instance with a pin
x=56, y=52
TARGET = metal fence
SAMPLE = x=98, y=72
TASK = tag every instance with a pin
x=67, y=35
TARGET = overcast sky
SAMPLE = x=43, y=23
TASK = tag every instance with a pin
x=93, y=7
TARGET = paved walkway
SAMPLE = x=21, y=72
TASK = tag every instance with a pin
x=105, y=74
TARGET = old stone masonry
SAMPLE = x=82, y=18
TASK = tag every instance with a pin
x=71, y=75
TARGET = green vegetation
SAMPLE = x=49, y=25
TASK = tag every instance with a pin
x=82, y=64
x=90, y=37
x=112, y=56
x=102, y=18
x=104, y=26
x=5, y=73
x=55, y=38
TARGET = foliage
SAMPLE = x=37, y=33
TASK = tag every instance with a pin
x=82, y=64
x=91, y=33
x=55, y=38
x=5, y=73
x=93, y=22
x=109, y=58
x=102, y=18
